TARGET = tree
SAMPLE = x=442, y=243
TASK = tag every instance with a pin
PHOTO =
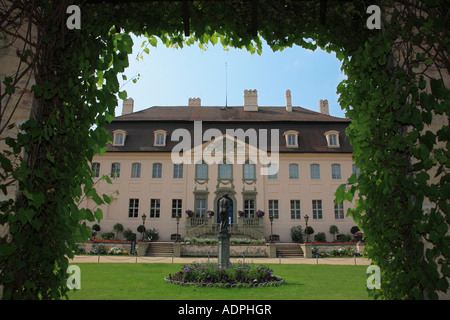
x=118, y=228
x=334, y=230
x=297, y=233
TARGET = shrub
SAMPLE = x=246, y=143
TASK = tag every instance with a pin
x=151, y=234
x=108, y=236
x=309, y=230
x=334, y=230
x=354, y=229
x=236, y=275
x=118, y=228
x=345, y=237
x=129, y=235
x=140, y=228
x=100, y=249
x=297, y=233
x=321, y=237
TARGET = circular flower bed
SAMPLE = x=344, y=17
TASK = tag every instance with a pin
x=212, y=275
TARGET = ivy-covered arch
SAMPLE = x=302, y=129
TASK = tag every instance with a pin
x=396, y=92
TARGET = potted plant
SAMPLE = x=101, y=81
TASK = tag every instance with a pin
x=210, y=213
x=241, y=213
x=190, y=213
x=260, y=213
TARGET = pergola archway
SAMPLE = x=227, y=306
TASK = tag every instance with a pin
x=66, y=81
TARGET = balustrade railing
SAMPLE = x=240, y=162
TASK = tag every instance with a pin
x=199, y=226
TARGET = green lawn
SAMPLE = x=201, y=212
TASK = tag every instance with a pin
x=122, y=281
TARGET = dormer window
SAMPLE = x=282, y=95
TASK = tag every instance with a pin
x=332, y=139
x=291, y=139
x=160, y=138
x=119, y=137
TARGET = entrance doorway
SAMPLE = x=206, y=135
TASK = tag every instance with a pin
x=230, y=211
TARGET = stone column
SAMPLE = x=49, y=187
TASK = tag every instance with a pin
x=177, y=249
x=272, y=250
x=224, y=250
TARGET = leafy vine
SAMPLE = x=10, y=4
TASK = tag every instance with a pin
x=396, y=91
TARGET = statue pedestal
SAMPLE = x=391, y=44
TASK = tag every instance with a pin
x=224, y=250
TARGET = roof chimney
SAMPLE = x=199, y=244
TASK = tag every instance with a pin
x=323, y=107
x=128, y=106
x=194, y=102
x=250, y=100
x=288, y=101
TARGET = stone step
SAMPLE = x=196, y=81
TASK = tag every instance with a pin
x=159, y=249
x=289, y=250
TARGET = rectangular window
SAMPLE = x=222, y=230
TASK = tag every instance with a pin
x=96, y=169
x=293, y=171
x=292, y=140
x=249, y=208
x=332, y=139
x=176, y=207
x=317, y=209
x=339, y=210
x=178, y=171
x=249, y=171
x=157, y=170
x=315, y=171
x=133, y=208
x=336, y=171
x=118, y=139
x=273, y=208
x=115, y=170
x=136, y=170
x=160, y=139
x=273, y=171
x=225, y=171
x=201, y=171
x=295, y=209
x=200, y=207
x=154, y=208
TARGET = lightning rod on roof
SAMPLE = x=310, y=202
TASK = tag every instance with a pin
x=226, y=85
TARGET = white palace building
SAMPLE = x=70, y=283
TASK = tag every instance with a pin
x=281, y=162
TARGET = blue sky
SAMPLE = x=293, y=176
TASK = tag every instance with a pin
x=169, y=77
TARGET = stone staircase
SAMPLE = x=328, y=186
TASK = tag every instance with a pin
x=159, y=249
x=289, y=250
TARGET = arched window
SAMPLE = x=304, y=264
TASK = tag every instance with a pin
x=315, y=171
x=157, y=170
x=119, y=137
x=293, y=171
x=160, y=138
x=291, y=137
x=136, y=170
x=336, y=171
x=332, y=137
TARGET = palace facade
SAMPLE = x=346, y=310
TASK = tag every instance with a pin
x=276, y=164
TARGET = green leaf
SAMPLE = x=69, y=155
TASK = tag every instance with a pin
x=98, y=214
x=6, y=249
x=123, y=95
x=153, y=41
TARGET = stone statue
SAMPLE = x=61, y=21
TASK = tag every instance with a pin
x=224, y=203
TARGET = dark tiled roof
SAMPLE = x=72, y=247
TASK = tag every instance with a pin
x=140, y=127
x=185, y=113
